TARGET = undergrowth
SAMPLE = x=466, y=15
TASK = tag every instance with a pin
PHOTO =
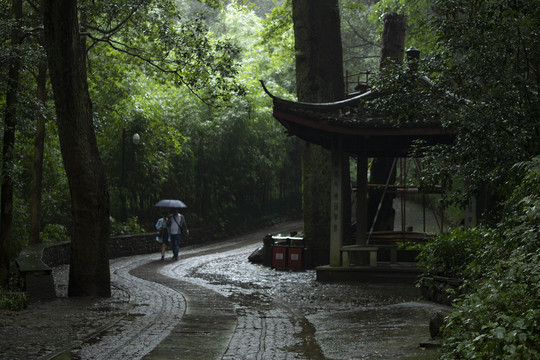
x=12, y=300
x=499, y=318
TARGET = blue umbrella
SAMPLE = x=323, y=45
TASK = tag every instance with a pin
x=177, y=204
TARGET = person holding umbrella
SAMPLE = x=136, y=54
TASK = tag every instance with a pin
x=163, y=233
x=177, y=227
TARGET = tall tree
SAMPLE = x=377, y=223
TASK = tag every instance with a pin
x=66, y=51
x=39, y=144
x=383, y=170
x=361, y=51
x=319, y=78
x=6, y=202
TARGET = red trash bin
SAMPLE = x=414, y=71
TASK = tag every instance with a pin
x=294, y=258
x=279, y=256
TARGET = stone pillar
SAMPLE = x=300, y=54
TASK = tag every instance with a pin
x=336, y=204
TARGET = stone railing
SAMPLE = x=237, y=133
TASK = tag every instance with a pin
x=119, y=246
x=35, y=261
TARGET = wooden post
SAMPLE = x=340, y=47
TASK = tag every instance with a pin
x=336, y=204
x=361, y=197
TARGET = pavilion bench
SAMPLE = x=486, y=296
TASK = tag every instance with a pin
x=383, y=240
x=372, y=249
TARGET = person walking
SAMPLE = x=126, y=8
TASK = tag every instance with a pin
x=177, y=227
x=163, y=234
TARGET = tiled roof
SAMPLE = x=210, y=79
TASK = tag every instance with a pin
x=357, y=126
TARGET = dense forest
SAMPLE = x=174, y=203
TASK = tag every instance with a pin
x=205, y=126
x=184, y=76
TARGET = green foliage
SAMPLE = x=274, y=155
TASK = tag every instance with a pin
x=30, y=108
x=12, y=301
x=419, y=32
x=500, y=318
x=220, y=160
x=130, y=227
x=157, y=38
x=483, y=88
x=360, y=40
x=187, y=82
x=215, y=4
x=490, y=47
x=54, y=233
x=278, y=25
x=55, y=192
x=420, y=101
x=451, y=254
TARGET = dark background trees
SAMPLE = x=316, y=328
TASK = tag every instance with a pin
x=8, y=143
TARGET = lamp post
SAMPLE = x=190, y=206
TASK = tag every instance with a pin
x=413, y=56
x=135, y=139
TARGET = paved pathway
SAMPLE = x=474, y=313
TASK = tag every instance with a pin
x=154, y=311
x=213, y=304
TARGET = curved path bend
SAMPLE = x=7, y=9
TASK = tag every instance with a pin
x=213, y=304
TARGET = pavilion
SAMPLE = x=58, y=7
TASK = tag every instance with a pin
x=348, y=127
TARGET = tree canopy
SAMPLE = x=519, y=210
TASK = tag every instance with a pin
x=483, y=68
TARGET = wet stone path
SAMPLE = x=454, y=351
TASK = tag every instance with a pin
x=213, y=304
x=153, y=312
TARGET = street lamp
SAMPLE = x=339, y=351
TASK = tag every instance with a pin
x=413, y=56
x=136, y=138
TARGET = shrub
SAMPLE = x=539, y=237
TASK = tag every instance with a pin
x=500, y=319
x=451, y=254
x=13, y=301
x=54, y=233
x=131, y=226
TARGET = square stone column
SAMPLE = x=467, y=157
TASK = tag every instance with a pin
x=336, y=204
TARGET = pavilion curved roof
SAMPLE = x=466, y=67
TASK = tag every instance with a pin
x=359, y=129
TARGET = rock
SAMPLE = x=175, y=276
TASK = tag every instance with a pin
x=436, y=322
x=256, y=256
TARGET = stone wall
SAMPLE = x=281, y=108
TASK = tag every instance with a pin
x=120, y=246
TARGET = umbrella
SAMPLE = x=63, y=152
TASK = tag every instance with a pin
x=171, y=204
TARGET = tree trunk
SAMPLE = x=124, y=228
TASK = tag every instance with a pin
x=393, y=38
x=6, y=202
x=89, y=260
x=35, y=209
x=319, y=78
x=393, y=47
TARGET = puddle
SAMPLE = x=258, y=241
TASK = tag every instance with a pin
x=371, y=321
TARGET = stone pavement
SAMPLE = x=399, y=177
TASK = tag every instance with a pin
x=205, y=328
x=213, y=304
